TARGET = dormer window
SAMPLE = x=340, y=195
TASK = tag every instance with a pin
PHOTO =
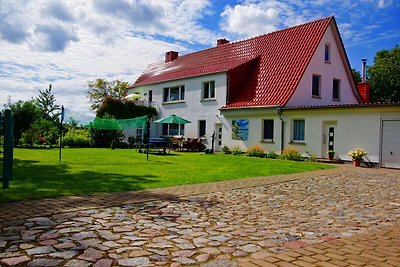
x=327, y=54
x=209, y=90
x=174, y=94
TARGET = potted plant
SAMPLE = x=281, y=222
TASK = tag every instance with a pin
x=331, y=154
x=357, y=155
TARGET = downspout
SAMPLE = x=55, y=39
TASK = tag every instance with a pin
x=279, y=110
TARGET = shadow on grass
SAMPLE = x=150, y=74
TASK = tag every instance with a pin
x=36, y=181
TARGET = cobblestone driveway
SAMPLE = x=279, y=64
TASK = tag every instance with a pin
x=211, y=229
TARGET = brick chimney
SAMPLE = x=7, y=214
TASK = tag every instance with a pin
x=363, y=86
x=170, y=55
x=222, y=42
x=363, y=89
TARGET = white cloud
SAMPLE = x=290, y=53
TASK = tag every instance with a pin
x=68, y=43
x=256, y=19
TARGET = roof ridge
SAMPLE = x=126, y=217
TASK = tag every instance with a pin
x=251, y=38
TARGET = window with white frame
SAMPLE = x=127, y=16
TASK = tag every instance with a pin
x=208, y=90
x=298, y=130
x=316, y=85
x=173, y=129
x=176, y=93
x=268, y=130
x=336, y=89
x=327, y=53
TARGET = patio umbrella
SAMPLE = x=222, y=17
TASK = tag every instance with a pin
x=132, y=96
x=173, y=119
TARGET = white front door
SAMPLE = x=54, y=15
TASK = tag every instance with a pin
x=328, y=138
x=218, y=137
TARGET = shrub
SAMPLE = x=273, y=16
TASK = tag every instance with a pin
x=236, y=150
x=226, y=149
x=76, y=141
x=255, y=151
x=271, y=154
x=291, y=154
x=77, y=138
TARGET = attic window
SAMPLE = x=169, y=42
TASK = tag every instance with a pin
x=327, y=54
x=316, y=85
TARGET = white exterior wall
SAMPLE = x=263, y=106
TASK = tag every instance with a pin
x=193, y=108
x=354, y=128
x=328, y=71
x=255, y=136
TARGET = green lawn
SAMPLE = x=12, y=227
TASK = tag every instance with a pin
x=39, y=174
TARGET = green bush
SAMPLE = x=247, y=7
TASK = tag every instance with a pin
x=271, y=154
x=76, y=141
x=236, y=150
x=255, y=151
x=291, y=154
x=77, y=138
x=226, y=149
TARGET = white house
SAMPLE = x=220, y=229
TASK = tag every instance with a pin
x=292, y=87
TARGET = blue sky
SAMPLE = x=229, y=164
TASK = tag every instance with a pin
x=70, y=42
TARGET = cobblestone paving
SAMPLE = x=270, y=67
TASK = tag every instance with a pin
x=228, y=228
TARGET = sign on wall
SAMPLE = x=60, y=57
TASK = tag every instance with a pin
x=240, y=129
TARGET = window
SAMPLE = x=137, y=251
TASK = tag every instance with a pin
x=176, y=93
x=202, y=128
x=336, y=89
x=316, y=84
x=298, y=130
x=209, y=90
x=327, y=54
x=268, y=130
x=150, y=96
x=172, y=129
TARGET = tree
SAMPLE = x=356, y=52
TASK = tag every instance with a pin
x=356, y=76
x=120, y=109
x=25, y=114
x=46, y=102
x=384, y=76
x=100, y=89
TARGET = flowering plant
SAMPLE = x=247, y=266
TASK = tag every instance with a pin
x=359, y=153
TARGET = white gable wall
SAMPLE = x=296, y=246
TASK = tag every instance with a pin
x=328, y=71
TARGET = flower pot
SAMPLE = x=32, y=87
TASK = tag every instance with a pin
x=330, y=156
x=357, y=162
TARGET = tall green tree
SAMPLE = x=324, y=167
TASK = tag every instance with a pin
x=48, y=124
x=46, y=102
x=384, y=76
x=100, y=89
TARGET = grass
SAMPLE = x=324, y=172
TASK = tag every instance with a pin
x=38, y=173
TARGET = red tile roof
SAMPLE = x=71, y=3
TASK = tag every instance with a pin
x=262, y=71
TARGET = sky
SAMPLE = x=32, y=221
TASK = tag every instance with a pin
x=68, y=43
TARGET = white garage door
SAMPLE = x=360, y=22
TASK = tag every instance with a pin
x=391, y=143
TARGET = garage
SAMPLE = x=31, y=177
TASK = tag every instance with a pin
x=390, y=146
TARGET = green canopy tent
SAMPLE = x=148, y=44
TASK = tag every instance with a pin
x=125, y=124
x=173, y=119
x=112, y=124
